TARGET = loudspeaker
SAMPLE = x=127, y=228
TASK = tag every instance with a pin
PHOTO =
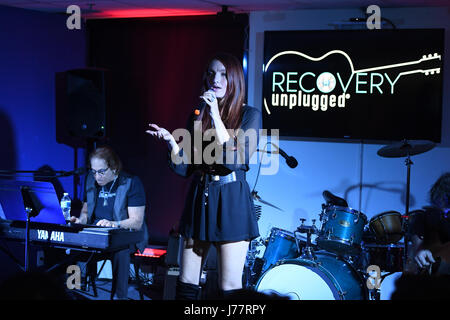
x=170, y=283
x=174, y=249
x=81, y=103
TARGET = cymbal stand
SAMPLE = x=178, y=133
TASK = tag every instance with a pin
x=309, y=230
x=405, y=225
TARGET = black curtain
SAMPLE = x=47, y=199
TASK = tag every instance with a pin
x=155, y=68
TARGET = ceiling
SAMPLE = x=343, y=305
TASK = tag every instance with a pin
x=154, y=8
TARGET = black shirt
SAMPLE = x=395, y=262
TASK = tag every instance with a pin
x=106, y=196
x=431, y=223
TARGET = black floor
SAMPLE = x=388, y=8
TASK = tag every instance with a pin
x=103, y=291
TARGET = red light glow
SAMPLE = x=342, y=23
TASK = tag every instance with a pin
x=151, y=253
x=147, y=13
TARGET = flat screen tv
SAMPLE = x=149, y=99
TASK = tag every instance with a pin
x=354, y=84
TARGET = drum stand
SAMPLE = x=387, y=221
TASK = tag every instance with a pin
x=406, y=148
x=374, y=294
x=309, y=230
x=250, y=268
x=408, y=164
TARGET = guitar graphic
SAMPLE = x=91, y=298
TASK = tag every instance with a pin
x=327, y=79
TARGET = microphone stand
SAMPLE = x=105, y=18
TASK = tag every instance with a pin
x=27, y=239
x=31, y=211
x=55, y=174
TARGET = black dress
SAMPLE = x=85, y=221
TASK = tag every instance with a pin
x=215, y=212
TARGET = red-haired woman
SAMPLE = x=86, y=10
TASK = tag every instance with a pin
x=219, y=208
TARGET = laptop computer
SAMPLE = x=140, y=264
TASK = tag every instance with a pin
x=39, y=195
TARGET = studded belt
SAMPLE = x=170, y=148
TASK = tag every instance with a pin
x=221, y=180
x=216, y=180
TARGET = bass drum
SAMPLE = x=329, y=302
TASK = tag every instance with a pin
x=329, y=277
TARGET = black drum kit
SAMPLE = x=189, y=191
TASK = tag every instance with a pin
x=348, y=248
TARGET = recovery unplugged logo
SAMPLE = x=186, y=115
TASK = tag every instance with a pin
x=334, y=87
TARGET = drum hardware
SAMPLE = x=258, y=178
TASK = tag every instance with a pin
x=350, y=260
x=281, y=244
x=331, y=199
x=387, y=227
x=309, y=230
x=252, y=265
x=322, y=217
x=329, y=232
x=388, y=258
x=258, y=198
x=258, y=210
x=406, y=148
x=375, y=293
x=342, y=229
x=328, y=277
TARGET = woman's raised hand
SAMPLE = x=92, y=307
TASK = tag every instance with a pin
x=163, y=134
x=159, y=133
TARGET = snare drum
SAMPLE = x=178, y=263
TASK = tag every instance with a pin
x=342, y=230
x=388, y=257
x=280, y=245
x=387, y=227
x=329, y=277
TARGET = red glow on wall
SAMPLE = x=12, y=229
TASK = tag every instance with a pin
x=147, y=13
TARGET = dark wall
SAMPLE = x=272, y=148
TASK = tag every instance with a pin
x=155, y=68
x=34, y=46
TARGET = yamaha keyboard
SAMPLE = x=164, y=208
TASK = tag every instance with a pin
x=82, y=237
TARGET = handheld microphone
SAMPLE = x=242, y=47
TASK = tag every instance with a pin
x=199, y=109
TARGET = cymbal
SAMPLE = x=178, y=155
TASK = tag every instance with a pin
x=258, y=198
x=405, y=148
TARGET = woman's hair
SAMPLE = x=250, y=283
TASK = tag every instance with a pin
x=111, y=158
x=230, y=106
x=440, y=191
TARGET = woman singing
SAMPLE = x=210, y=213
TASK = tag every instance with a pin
x=219, y=207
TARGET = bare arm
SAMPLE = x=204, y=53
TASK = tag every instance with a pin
x=83, y=215
x=135, y=218
x=134, y=221
x=221, y=132
x=165, y=135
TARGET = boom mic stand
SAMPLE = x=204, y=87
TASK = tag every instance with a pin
x=40, y=174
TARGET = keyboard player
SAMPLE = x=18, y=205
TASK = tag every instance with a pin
x=113, y=198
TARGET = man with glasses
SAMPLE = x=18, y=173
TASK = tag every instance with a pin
x=115, y=199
